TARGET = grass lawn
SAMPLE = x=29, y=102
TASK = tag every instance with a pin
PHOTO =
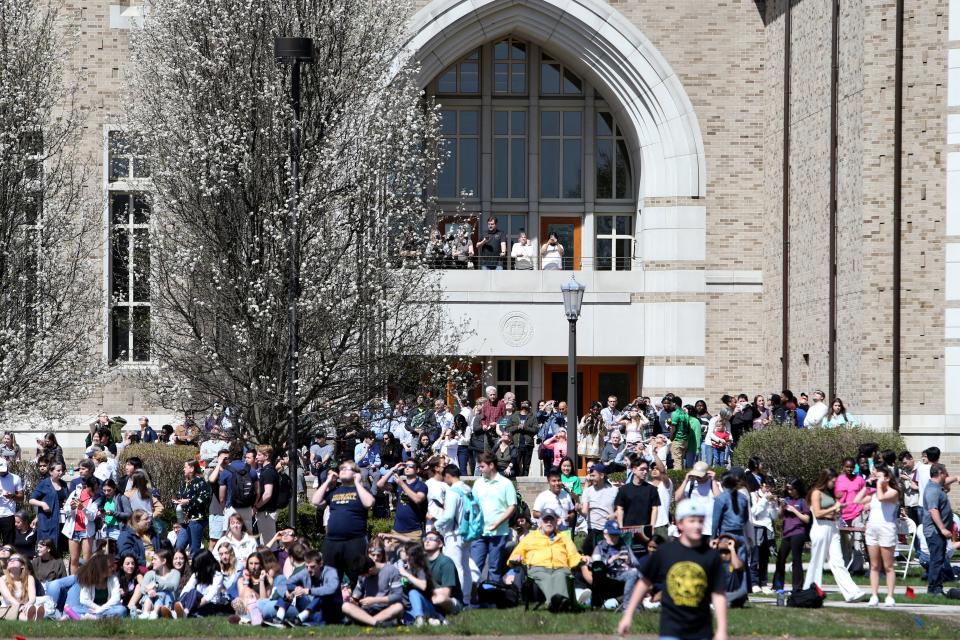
x=919, y=598
x=764, y=621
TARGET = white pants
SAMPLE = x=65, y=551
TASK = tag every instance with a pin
x=459, y=551
x=825, y=547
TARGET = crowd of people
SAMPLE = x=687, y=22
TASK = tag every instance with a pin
x=96, y=545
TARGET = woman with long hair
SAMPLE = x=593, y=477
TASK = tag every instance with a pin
x=9, y=449
x=591, y=434
x=139, y=539
x=49, y=448
x=128, y=575
x=418, y=599
x=47, y=498
x=825, y=538
x=80, y=523
x=159, y=586
x=506, y=455
x=228, y=571
x=140, y=496
x=794, y=516
x=570, y=479
x=237, y=537
x=18, y=590
x=838, y=416
x=254, y=585
x=761, y=411
x=731, y=509
x=100, y=593
x=881, y=531
x=391, y=451
x=181, y=562
x=204, y=594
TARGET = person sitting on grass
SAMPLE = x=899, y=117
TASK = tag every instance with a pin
x=238, y=538
x=254, y=585
x=19, y=590
x=313, y=595
x=138, y=538
x=614, y=562
x=377, y=600
x=549, y=558
x=204, y=595
x=159, y=586
x=128, y=575
x=447, y=593
x=100, y=595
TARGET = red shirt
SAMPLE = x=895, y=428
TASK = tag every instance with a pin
x=490, y=413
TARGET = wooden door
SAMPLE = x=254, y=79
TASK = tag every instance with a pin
x=594, y=382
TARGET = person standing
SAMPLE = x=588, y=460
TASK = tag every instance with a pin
x=825, y=538
x=795, y=515
x=556, y=498
x=146, y=433
x=523, y=426
x=448, y=526
x=349, y=501
x=497, y=498
x=848, y=485
x=267, y=502
x=937, y=528
x=597, y=505
x=522, y=253
x=411, y=500
x=47, y=498
x=881, y=533
x=239, y=486
x=700, y=483
x=11, y=494
x=684, y=435
x=194, y=501
x=693, y=577
x=817, y=412
x=492, y=247
x=637, y=504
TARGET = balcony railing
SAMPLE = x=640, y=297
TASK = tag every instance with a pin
x=569, y=263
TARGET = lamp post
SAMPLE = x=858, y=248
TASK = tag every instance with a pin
x=293, y=52
x=572, y=300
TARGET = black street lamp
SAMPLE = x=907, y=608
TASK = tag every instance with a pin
x=293, y=52
x=572, y=300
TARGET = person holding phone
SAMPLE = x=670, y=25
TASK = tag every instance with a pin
x=825, y=538
x=881, y=532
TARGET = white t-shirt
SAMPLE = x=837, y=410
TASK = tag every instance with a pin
x=703, y=491
x=436, y=497
x=562, y=503
x=665, y=491
x=600, y=503
x=923, y=476
x=10, y=483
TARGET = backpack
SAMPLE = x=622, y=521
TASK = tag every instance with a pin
x=283, y=490
x=471, y=517
x=811, y=598
x=243, y=488
x=522, y=508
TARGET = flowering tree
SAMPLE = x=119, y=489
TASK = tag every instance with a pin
x=210, y=106
x=50, y=311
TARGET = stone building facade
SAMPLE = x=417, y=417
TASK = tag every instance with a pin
x=698, y=89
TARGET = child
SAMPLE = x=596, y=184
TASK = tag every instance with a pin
x=719, y=442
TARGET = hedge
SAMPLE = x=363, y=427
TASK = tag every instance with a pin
x=164, y=464
x=788, y=452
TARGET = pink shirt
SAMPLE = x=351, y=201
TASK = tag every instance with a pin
x=845, y=491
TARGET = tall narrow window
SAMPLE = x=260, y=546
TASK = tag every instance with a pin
x=510, y=67
x=460, y=173
x=510, y=154
x=129, y=278
x=462, y=77
x=557, y=80
x=614, y=180
x=561, y=154
x=614, y=243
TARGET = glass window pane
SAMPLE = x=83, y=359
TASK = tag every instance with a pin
x=624, y=180
x=448, y=81
x=604, y=225
x=501, y=50
x=518, y=223
x=141, y=333
x=624, y=225
x=518, y=51
x=550, y=169
x=141, y=168
x=521, y=370
x=118, y=209
x=448, y=121
x=141, y=210
x=469, y=122
x=119, y=333
x=604, y=124
x=550, y=123
x=141, y=265
x=501, y=123
x=624, y=251
x=518, y=168
x=447, y=180
x=604, y=168
x=501, y=166
x=518, y=122
x=469, y=77
x=571, y=83
x=522, y=392
x=503, y=389
x=119, y=168
x=604, y=254
x=571, y=168
x=518, y=78
x=500, y=77
x=469, y=164
x=120, y=265
x=503, y=370
x=549, y=78
x=571, y=123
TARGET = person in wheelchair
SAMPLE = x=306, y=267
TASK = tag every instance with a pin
x=549, y=559
x=613, y=569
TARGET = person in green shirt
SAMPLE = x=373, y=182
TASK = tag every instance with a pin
x=570, y=480
x=686, y=435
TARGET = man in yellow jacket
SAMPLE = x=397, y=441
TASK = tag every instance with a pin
x=549, y=558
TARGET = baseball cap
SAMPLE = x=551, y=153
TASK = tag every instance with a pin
x=690, y=508
x=599, y=468
x=612, y=528
x=699, y=469
x=548, y=513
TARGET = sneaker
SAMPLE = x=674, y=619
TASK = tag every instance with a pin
x=70, y=613
x=889, y=602
x=584, y=597
x=650, y=605
x=755, y=589
x=874, y=601
x=858, y=597
x=434, y=622
x=276, y=624
x=419, y=621
x=178, y=611
x=766, y=590
x=303, y=615
x=281, y=613
x=610, y=604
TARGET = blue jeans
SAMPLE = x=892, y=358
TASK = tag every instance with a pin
x=420, y=606
x=487, y=548
x=485, y=267
x=939, y=569
x=115, y=611
x=323, y=610
x=57, y=590
x=192, y=534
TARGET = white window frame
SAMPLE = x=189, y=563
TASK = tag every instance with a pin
x=613, y=237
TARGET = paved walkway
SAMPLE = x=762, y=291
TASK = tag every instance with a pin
x=950, y=610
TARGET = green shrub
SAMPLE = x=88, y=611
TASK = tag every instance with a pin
x=164, y=464
x=802, y=453
x=29, y=473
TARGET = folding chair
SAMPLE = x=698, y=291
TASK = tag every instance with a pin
x=906, y=531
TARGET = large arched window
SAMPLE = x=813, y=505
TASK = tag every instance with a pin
x=531, y=143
